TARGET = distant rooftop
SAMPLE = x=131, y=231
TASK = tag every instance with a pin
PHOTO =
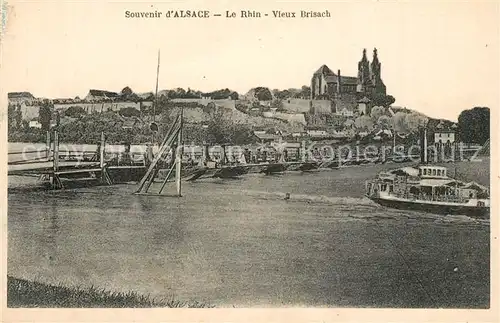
x=18, y=95
x=108, y=94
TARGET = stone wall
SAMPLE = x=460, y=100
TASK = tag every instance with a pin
x=224, y=103
x=347, y=101
x=322, y=107
x=297, y=105
x=305, y=105
x=101, y=107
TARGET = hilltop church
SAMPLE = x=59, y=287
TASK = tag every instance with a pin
x=347, y=91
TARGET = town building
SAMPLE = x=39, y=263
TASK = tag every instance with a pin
x=265, y=138
x=363, y=106
x=315, y=131
x=20, y=97
x=444, y=136
x=444, y=133
x=35, y=124
x=101, y=95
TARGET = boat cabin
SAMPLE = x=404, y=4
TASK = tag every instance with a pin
x=432, y=172
x=432, y=183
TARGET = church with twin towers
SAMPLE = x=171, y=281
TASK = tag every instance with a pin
x=325, y=84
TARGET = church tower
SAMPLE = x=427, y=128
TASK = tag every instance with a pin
x=363, y=74
x=375, y=72
x=375, y=67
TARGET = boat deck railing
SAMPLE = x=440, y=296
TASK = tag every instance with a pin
x=435, y=198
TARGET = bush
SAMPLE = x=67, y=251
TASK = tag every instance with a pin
x=474, y=125
x=130, y=112
x=74, y=112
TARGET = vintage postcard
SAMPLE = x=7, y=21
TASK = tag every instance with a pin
x=250, y=160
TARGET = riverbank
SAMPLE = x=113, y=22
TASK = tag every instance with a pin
x=25, y=293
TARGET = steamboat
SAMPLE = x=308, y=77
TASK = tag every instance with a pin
x=428, y=188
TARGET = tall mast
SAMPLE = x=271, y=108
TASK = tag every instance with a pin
x=156, y=92
x=178, y=157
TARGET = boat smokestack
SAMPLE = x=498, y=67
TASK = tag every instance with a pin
x=423, y=146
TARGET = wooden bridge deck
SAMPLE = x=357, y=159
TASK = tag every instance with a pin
x=48, y=166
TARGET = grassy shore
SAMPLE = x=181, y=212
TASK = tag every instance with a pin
x=24, y=293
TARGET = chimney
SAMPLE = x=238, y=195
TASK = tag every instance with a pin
x=338, y=82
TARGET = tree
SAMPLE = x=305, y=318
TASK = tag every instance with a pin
x=58, y=118
x=474, y=125
x=222, y=94
x=234, y=95
x=285, y=94
x=399, y=123
x=74, y=111
x=413, y=121
x=384, y=122
x=18, y=117
x=126, y=91
x=11, y=110
x=210, y=108
x=263, y=94
x=278, y=105
x=25, y=124
x=363, y=123
x=305, y=91
x=377, y=112
x=45, y=115
x=129, y=112
x=221, y=129
x=180, y=92
x=380, y=99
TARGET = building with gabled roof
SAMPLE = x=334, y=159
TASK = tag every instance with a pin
x=19, y=97
x=97, y=95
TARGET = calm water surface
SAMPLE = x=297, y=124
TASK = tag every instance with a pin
x=238, y=243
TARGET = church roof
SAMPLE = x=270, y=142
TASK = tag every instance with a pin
x=324, y=70
x=331, y=77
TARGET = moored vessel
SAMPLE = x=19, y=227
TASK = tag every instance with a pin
x=428, y=188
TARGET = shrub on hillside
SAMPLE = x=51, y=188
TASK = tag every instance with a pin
x=129, y=112
x=74, y=112
x=474, y=125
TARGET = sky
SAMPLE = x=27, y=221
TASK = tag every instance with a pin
x=438, y=57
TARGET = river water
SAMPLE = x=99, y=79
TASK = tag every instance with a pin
x=239, y=243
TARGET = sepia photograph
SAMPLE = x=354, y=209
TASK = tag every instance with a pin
x=180, y=154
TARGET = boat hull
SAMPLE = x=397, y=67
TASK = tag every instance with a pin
x=230, y=172
x=473, y=211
